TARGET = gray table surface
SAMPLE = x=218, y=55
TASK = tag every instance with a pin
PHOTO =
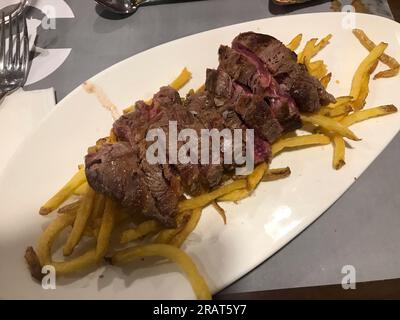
x=360, y=229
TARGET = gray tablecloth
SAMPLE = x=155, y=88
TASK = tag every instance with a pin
x=360, y=229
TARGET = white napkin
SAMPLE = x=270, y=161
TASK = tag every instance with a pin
x=20, y=113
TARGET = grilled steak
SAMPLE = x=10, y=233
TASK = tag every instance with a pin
x=258, y=85
x=281, y=62
x=116, y=171
x=253, y=75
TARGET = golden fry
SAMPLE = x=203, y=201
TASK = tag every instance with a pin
x=143, y=229
x=166, y=235
x=391, y=62
x=201, y=88
x=236, y=195
x=276, y=174
x=33, y=262
x=205, y=199
x=367, y=114
x=70, y=208
x=220, y=210
x=83, y=261
x=339, y=151
x=106, y=228
x=387, y=73
x=295, y=43
x=62, y=195
x=46, y=242
x=180, y=237
x=330, y=125
x=183, y=78
x=300, y=141
x=307, y=51
x=340, y=101
x=341, y=109
x=48, y=237
x=318, y=69
x=80, y=191
x=361, y=77
x=82, y=217
x=322, y=44
x=171, y=253
x=325, y=80
x=98, y=206
x=255, y=177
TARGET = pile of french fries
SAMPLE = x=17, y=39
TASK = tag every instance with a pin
x=95, y=216
x=332, y=122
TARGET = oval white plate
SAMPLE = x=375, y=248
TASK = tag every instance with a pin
x=257, y=227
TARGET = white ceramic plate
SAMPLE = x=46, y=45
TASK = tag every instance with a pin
x=256, y=228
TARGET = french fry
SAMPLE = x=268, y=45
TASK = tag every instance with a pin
x=48, y=237
x=33, y=262
x=276, y=174
x=181, y=236
x=390, y=73
x=91, y=232
x=321, y=45
x=236, y=195
x=220, y=210
x=300, y=141
x=142, y=230
x=340, y=101
x=82, y=216
x=341, y=109
x=330, y=125
x=98, y=206
x=307, y=51
x=46, y=242
x=256, y=176
x=338, y=151
x=65, y=192
x=166, y=235
x=171, y=253
x=83, y=261
x=183, y=78
x=201, y=88
x=80, y=191
x=295, y=43
x=362, y=115
x=106, y=228
x=391, y=62
x=325, y=80
x=70, y=208
x=361, y=77
x=205, y=199
x=129, y=109
x=318, y=69
x=112, y=138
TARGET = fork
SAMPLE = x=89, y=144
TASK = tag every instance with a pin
x=14, y=63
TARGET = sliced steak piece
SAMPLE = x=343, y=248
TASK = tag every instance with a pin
x=195, y=178
x=281, y=62
x=250, y=73
x=201, y=107
x=166, y=198
x=253, y=110
x=231, y=102
x=115, y=170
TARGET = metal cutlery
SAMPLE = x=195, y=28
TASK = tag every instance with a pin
x=14, y=57
x=130, y=6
